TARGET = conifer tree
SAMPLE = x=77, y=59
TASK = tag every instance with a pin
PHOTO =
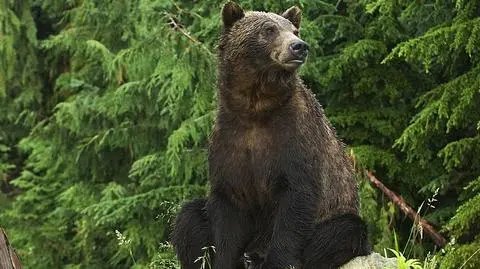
x=443, y=137
x=106, y=108
x=20, y=85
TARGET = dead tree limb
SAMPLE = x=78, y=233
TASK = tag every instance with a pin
x=8, y=256
x=412, y=214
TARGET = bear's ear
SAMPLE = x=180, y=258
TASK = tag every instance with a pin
x=231, y=13
x=294, y=15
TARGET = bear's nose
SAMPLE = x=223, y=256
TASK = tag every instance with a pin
x=299, y=48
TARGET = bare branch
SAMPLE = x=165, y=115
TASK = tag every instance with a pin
x=407, y=210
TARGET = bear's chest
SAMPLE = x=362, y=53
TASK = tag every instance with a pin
x=243, y=164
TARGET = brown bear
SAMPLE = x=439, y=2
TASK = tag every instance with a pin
x=283, y=192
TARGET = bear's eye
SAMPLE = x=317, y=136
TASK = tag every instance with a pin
x=295, y=32
x=269, y=30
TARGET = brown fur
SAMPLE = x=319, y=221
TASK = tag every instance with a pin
x=282, y=186
x=263, y=109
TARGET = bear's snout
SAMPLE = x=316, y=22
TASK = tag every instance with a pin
x=299, y=49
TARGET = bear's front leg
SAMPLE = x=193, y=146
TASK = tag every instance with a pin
x=294, y=223
x=252, y=260
x=232, y=230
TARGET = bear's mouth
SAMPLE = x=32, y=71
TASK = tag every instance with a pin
x=296, y=61
x=293, y=64
x=288, y=61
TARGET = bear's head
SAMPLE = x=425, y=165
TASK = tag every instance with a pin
x=262, y=40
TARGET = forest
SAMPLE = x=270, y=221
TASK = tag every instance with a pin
x=106, y=109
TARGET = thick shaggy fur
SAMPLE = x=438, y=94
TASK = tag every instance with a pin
x=192, y=232
x=282, y=187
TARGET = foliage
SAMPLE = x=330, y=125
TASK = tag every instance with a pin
x=445, y=133
x=121, y=140
x=403, y=263
x=106, y=108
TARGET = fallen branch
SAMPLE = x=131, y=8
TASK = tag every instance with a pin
x=8, y=256
x=412, y=214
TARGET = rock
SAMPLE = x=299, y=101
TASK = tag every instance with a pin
x=372, y=261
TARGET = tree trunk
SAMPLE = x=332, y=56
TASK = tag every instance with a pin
x=8, y=256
